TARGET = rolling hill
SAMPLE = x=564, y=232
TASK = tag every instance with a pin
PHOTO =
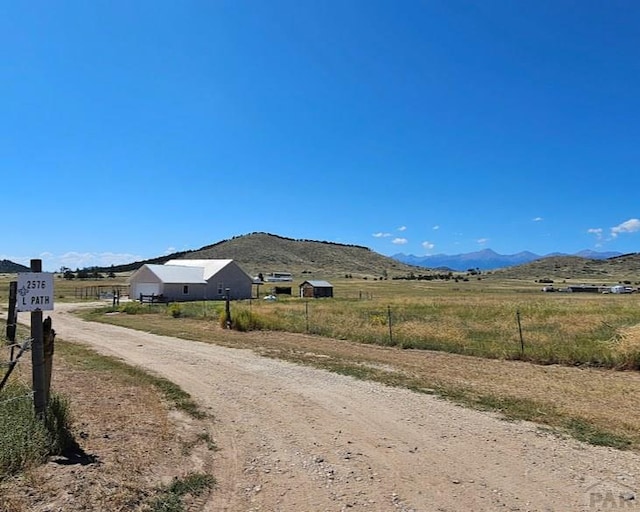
x=9, y=267
x=265, y=252
x=624, y=267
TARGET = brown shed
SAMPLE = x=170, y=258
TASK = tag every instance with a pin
x=316, y=289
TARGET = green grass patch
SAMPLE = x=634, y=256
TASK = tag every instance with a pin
x=588, y=433
x=170, y=498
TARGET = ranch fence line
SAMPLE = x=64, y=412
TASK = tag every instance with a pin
x=386, y=317
x=16, y=398
x=101, y=291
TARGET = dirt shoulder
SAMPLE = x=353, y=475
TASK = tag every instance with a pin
x=296, y=438
x=132, y=444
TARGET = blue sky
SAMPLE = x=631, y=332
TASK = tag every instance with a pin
x=131, y=129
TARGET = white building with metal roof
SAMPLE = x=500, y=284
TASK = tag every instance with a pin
x=186, y=280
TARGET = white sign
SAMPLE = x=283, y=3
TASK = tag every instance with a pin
x=35, y=291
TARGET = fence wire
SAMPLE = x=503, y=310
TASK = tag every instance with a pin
x=26, y=345
x=14, y=398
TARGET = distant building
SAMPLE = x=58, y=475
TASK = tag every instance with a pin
x=186, y=280
x=316, y=289
x=275, y=277
x=585, y=288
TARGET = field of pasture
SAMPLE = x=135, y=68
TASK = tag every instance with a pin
x=498, y=319
x=493, y=319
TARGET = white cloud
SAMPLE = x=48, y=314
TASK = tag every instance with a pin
x=400, y=241
x=53, y=262
x=597, y=232
x=23, y=260
x=538, y=219
x=629, y=226
x=428, y=245
x=75, y=260
x=436, y=227
x=482, y=241
x=402, y=228
x=381, y=235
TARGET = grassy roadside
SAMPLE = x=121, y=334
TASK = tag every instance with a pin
x=582, y=402
x=85, y=358
x=25, y=440
x=124, y=445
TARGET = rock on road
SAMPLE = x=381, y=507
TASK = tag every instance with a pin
x=293, y=438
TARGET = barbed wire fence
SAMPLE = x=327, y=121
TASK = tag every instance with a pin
x=13, y=361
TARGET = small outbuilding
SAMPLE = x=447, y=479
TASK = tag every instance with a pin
x=186, y=280
x=316, y=289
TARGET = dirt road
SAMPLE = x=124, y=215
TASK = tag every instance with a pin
x=293, y=438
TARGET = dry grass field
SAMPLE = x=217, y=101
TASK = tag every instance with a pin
x=472, y=326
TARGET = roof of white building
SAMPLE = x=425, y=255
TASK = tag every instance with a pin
x=178, y=274
x=209, y=268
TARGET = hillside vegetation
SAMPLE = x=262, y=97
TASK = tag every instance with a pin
x=264, y=252
x=9, y=267
x=625, y=267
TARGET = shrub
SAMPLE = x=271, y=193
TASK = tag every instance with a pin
x=243, y=320
x=58, y=425
x=132, y=308
x=175, y=310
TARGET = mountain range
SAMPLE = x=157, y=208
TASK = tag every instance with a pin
x=488, y=259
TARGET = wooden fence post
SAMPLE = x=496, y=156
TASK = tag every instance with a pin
x=520, y=331
x=49, y=336
x=227, y=309
x=37, y=355
x=12, y=316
